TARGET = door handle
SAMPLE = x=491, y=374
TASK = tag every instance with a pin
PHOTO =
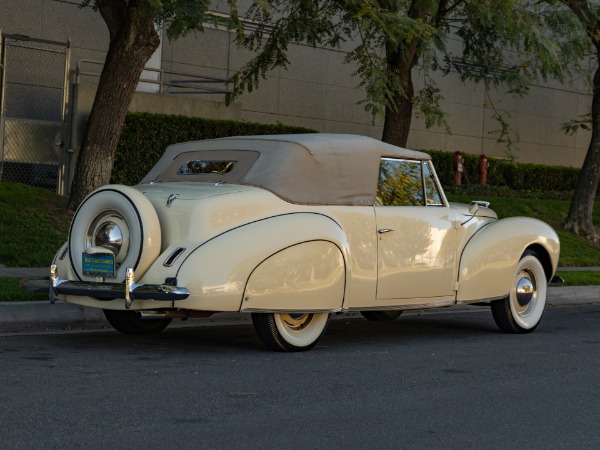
x=384, y=230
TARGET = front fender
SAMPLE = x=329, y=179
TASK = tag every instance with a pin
x=489, y=259
x=217, y=272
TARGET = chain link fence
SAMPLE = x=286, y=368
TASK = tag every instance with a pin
x=32, y=110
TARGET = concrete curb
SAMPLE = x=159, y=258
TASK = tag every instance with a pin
x=65, y=314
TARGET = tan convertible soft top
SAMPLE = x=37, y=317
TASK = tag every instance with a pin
x=323, y=169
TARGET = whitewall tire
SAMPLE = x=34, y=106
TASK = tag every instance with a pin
x=289, y=332
x=522, y=310
x=126, y=210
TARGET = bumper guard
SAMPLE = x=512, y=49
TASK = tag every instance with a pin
x=129, y=291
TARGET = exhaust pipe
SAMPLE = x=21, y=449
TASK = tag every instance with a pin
x=151, y=315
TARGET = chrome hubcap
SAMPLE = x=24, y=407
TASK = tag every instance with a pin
x=109, y=230
x=525, y=292
x=297, y=322
x=109, y=236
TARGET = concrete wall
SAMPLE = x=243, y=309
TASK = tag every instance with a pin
x=317, y=90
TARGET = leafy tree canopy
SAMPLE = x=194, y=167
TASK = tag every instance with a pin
x=503, y=43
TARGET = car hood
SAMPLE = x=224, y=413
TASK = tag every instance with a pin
x=481, y=212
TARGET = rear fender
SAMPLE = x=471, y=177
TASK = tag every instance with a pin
x=309, y=276
x=488, y=261
x=261, y=258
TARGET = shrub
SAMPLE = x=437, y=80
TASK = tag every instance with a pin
x=146, y=136
x=516, y=176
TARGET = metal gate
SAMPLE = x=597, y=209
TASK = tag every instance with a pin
x=33, y=102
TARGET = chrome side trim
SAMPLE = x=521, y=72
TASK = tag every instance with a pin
x=291, y=311
x=444, y=304
x=481, y=300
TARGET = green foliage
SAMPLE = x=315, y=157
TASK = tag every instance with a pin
x=11, y=291
x=577, y=278
x=513, y=176
x=390, y=38
x=584, y=122
x=146, y=136
x=33, y=225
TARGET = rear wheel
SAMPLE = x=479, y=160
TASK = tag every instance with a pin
x=289, y=332
x=127, y=322
x=522, y=310
x=381, y=316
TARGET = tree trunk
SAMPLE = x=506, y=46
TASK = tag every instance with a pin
x=579, y=219
x=133, y=40
x=402, y=57
x=398, y=118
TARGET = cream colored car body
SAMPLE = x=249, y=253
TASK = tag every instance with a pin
x=248, y=250
x=297, y=230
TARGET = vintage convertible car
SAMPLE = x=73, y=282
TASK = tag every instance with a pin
x=292, y=229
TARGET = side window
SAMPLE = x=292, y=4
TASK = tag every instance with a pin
x=400, y=183
x=432, y=192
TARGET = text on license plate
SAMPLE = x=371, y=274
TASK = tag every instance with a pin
x=99, y=265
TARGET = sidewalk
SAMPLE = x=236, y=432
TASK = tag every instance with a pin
x=15, y=314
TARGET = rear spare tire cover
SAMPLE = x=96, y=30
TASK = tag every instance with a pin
x=130, y=216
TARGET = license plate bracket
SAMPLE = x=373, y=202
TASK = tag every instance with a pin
x=99, y=265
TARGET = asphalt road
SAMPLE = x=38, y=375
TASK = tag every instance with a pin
x=441, y=380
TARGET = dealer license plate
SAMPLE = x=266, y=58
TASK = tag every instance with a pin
x=99, y=265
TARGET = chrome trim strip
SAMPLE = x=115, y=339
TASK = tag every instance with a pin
x=481, y=300
x=291, y=311
x=403, y=307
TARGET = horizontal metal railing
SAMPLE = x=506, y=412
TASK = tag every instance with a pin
x=185, y=83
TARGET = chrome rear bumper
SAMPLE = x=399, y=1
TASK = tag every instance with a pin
x=129, y=291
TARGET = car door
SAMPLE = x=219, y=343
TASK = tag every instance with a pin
x=416, y=234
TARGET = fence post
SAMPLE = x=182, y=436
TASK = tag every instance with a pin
x=2, y=89
x=483, y=167
x=458, y=168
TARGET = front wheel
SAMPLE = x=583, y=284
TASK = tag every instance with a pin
x=522, y=310
x=289, y=332
x=127, y=322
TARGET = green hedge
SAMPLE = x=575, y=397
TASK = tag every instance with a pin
x=146, y=136
x=516, y=176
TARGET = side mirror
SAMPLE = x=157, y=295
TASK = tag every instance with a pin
x=476, y=204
